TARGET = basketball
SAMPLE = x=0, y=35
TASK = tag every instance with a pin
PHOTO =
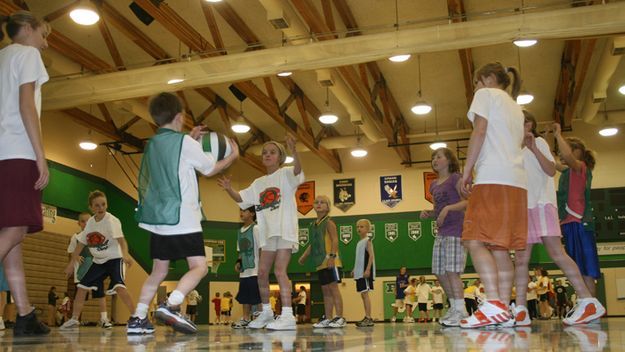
x=216, y=145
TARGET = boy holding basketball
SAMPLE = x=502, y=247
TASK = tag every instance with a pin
x=170, y=210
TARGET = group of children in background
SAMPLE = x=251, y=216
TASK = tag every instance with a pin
x=512, y=205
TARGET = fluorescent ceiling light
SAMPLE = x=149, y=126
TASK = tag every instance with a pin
x=421, y=108
x=399, y=58
x=524, y=43
x=328, y=118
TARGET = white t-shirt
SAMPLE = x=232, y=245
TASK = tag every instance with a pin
x=252, y=271
x=542, y=285
x=411, y=292
x=531, y=291
x=193, y=297
x=302, y=297
x=437, y=294
x=19, y=64
x=423, y=293
x=276, y=209
x=101, y=238
x=500, y=160
x=541, y=189
x=192, y=158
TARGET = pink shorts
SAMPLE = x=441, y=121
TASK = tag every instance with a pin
x=542, y=221
x=20, y=202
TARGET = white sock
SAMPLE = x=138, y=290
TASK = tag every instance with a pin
x=175, y=298
x=287, y=311
x=141, y=311
x=267, y=307
x=460, y=306
x=104, y=316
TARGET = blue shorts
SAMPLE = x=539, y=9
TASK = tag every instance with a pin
x=582, y=248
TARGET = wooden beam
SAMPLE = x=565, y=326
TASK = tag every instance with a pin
x=212, y=26
x=304, y=114
x=104, y=128
x=60, y=12
x=129, y=124
x=456, y=12
x=269, y=88
x=327, y=14
x=22, y=4
x=110, y=44
x=107, y=115
x=347, y=17
x=77, y=53
x=131, y=32
x=287, y=103
x=226, y=11
x=200, y=119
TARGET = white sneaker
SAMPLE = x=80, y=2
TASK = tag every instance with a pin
x=490, y=312
x=447, y=314
x=70, y=324
x=453, y=319
x=585, y=311
x=338, y=322
x=408, y=320
x=284, y=322
x=325, y=323
x=105, y=324
x=262, y=320
x=521, y=316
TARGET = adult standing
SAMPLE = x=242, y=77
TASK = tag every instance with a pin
x=23, y=167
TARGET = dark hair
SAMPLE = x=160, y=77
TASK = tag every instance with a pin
x=454, y=164
x=544, y=272
x=252, y=210
x=19, y=19
x=529, y=117
x=95, y=194
x=164, y=107
x=501, y=75
x=588, y=156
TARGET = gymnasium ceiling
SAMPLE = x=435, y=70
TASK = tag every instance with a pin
x=103, y=74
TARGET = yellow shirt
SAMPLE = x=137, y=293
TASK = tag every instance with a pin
x=328, y=245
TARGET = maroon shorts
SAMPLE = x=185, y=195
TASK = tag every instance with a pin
x=20, y=202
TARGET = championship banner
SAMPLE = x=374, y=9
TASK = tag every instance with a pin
x=434, y=228
x=428, y=178
x=391, y=232
x=344, y=193
x=346, y=233
x=305, y=196
x=414, y=230
x=303, y=237
x=390, y=190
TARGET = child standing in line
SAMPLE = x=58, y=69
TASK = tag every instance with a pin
x=81, y=268
x=193, y=298
x=324, y=247
x=23, y=166
x=217, y=304
x=410, y=300
x=575, y=212
x=496, y=217
x=401, y=282
x=448, y=255
x=226, y=307
x=364, y=269
x=423, y=296
x=105, y=239
x=437, y=301
x=248, y=238
x=276, y=211
x=170, y=210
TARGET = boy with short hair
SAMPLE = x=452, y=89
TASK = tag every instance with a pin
x=248, y=245
x=364, y=269
x=170, y=210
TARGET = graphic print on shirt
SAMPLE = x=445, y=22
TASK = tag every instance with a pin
x=98, y=241
x=269, y=199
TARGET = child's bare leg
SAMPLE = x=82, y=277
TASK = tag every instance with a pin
x=486, y=266
x=283, y=256
x=150, y=286
x=264, y=267
x=367, y=303
x=79, y=302
x=505, y=274
x=197, y=271
x=521, y=274
x=14, y=272
x=328, y=301
x=571, y=270
x=125, y=297
x=336, y=298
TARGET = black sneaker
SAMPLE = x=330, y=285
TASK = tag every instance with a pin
x=172, y=317
x=138, y=326
x=29, y=325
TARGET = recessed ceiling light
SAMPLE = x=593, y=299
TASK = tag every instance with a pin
x=87, y=145
x=240, y=127
x=175, y=80
x=524, y=43
x=399, y=58
x=438, y=145
x=421, y=108
x=359, y=152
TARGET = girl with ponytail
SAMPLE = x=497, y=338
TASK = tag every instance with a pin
x=23, y=167
x=495, y=221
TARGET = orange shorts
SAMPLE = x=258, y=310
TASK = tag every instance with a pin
x=497, y=216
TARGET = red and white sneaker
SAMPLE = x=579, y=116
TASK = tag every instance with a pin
x=522, y=316
x=585, y=311
x=490, y=312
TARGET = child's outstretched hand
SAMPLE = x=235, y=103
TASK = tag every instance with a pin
x=224, y=182
x=290, y=143
x=301, y=260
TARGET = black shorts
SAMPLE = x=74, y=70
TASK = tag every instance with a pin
x=329, y=276
x=423, y=307
x=364, y=284
x=174, y=247
x=94, y=278
x=248, y=291
x=544, y=297
x=191, y=310
x=301, y=309
x=225, y=313
x=438, y=306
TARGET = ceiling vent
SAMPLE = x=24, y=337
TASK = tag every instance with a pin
x=277, y=19
x=618, y=46
x=598, y=98
x=325, y=79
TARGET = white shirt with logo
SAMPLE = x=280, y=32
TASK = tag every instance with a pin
x=101, y=238
x=276, y=209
